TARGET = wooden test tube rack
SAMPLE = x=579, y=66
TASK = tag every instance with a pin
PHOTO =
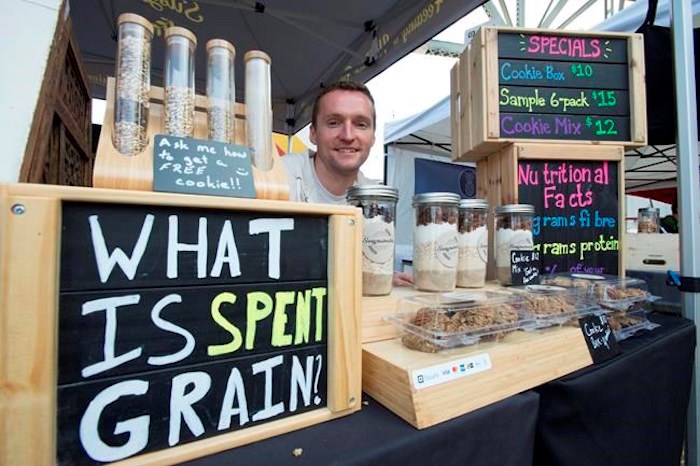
x=116, y=171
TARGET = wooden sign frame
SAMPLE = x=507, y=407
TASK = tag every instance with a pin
x=475, y=95
x=116, y=171
x=497, y=179
x=30, y=243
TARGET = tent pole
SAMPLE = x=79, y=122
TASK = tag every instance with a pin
x=688, y=192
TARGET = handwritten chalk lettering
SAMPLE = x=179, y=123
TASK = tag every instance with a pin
x=549, y=100
x=599, y=337
x=226, y=253
x=116, y=420
x=552, y=221
x=579, y=75
x=578, y=47
x=127, y=246
x=611, y=243
x=212, y=184
x=562, y=48
x=527, y=125
x=578, y=209
x=558, y=249
x=563, y=173
x=524, y=266
x=578, y=198
x=173, y=329
x=196, y=166
x=583, y=268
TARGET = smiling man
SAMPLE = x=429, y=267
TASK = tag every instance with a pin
x=342, y=127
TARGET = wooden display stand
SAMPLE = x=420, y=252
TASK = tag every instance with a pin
x=521, y=361
x=49, y=263
x=114, y=170
x=547, y=116
x=477, y=89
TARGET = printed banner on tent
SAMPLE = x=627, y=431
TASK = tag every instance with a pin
x=432, y=176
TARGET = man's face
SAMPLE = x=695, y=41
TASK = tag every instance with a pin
x=344, y=130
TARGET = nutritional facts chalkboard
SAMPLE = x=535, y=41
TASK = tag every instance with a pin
x=576, y=223
x=563, y=87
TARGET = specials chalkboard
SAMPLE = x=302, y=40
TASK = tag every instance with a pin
x=576, y=222
x=197, y=166
x=563, y=87
x=177, y=324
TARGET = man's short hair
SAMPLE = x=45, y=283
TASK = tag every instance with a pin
x=343, y=86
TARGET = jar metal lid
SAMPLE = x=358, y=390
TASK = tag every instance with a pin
x=648, y=210
x=514, y=209
x=430, y=198
x=373, y=190
x=133, y=18
x=478, y=204
x=180, y=31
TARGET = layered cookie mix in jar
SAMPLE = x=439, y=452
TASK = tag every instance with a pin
x=378, y=204
x=513, y=233
x=435, y=241
x=473, y=243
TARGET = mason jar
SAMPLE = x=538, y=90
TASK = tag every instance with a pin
x=513, y=233
x=258, y=108
x=435, y=241
x=648, y=220
x=473, y=243
x=132, y=84
x=180, y=45
x=378, y=204
x=221, y=90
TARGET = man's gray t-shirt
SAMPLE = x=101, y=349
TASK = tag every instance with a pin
x=304, y=185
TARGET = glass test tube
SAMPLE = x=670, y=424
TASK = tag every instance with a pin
x=258, y=105
x=132, y=84
x=180, y=45
x=221, y=90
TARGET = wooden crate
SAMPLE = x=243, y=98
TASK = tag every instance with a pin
x=652, y=252
x=59, y=146
x=481, y=88
x=37, y=269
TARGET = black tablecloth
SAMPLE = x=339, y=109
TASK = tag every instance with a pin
x=628, y=411
x=501, y=434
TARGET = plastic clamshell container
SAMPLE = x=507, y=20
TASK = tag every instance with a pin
x=431, y=323
x=610, y=291
x=626, y=324
x=550, y=305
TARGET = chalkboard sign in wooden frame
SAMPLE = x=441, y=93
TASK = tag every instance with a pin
x=501, y=180
x=529, y=85
x=42, y=279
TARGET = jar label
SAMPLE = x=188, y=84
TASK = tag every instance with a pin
x=378, y=241
x=447, y=249
x=475, y=244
